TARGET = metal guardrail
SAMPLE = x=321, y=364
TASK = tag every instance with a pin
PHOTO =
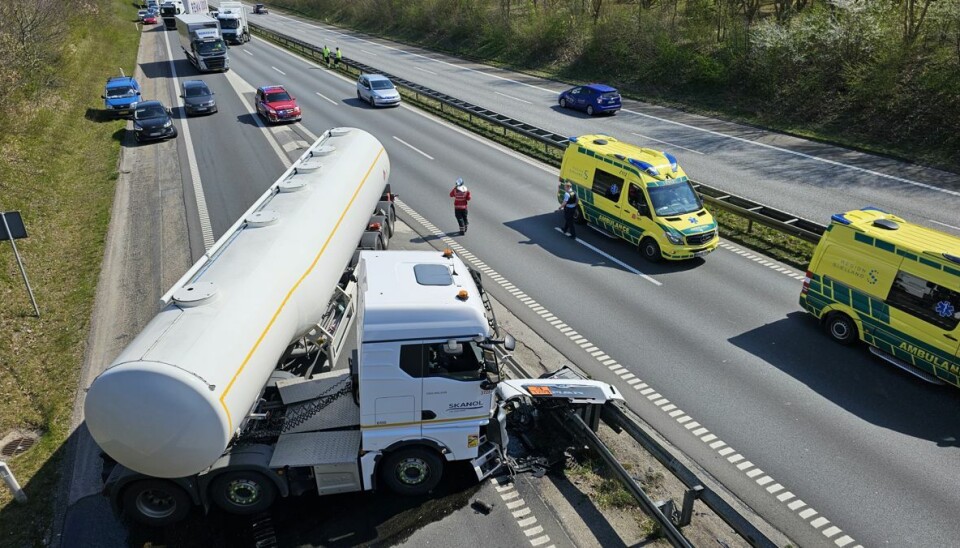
x=614, y=416
x=781, y=221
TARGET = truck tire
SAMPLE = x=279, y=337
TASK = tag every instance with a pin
x=243, y=492
x=650, y=250
x=841, y=328
x=412, y=471
x=155, y=502
x=371, y=240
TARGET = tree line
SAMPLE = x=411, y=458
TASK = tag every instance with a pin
x=884, y=73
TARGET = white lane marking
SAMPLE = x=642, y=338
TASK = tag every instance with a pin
x=248, y=52
x=665, y=120
x=668, y=143
x=760, y=260
x=415, y=149
x=944, y=224
x=367, y=52
x=206, y=228
x=695, y=428
x=425, y=70
x=325, y=97
x=240, y=86
x=512, y=97
x=278, y=70
x=612, y=258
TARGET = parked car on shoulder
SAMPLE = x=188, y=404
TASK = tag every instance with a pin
x=141, y=14
x=274, y=104
x=120, y=94
x=151, y=121
x=377, y=90
x=197, y=98
x=592, y=99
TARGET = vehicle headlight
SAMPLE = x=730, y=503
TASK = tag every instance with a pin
x=296, y=110
x=271, y=110
x=137, y=127
x=168, y=123
x=674, y=239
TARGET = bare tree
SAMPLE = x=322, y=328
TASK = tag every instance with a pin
x=913, y=14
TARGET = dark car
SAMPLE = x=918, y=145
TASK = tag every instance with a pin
x=592, y=98
x=151, y=120
x=197, y=98
x=276, y=105
x=260, y=9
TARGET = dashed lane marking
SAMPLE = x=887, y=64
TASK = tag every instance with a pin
x=521, y=512
x=413, y=148
x=662, y=403
x=325, y=97
x=512, y=97
x=611, y=258
x=668, y=143
x=278, y=70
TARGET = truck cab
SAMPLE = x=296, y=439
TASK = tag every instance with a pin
x=639, y=195
x=233, y=22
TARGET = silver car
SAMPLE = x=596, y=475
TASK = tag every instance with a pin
x=377, y=90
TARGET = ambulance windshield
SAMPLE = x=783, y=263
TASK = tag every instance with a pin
x=675, y=199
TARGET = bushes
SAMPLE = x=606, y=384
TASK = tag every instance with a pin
x=845, y=70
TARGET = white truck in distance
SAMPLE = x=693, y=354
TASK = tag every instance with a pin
x=201, y=42
x=196, y=7
x=233, y=22
x=286, y=362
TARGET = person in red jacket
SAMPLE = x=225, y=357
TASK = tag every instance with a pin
x=460, y=196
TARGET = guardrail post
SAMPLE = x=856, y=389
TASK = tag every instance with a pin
x=686, y=514
x=11, y=482
x=749, y=226
x=666, y=508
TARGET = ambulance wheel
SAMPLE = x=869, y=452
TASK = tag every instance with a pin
x=156, y=502
x=412, y=471
x=841, y=328
x=650, y=250
x=243, y=492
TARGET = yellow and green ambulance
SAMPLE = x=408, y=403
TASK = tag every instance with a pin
x=894, y=285
x=639, y=195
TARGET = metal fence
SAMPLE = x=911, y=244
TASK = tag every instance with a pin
x=754, y=212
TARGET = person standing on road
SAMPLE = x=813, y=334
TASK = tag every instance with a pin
x=326, y=55
x=338, y=58
x=569, y=207
x=460, y=196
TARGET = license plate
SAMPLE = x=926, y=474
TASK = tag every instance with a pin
x=701, y=253
x=200, y=108
x=154, y=133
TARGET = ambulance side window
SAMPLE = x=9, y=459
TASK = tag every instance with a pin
x=607, y=185
x=925, y=300
x=637, y=200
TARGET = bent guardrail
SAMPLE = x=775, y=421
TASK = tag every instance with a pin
x=781, y=221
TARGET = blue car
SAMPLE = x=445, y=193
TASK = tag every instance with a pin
x=592, y=98
x=121, y=95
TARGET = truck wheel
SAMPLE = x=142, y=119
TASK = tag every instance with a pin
x=650, y=250
x=412, y=471
x=243, y=492
x=155, y=502
x=841, y=328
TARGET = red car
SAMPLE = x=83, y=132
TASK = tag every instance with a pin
x=149, y=19
x=274, y=104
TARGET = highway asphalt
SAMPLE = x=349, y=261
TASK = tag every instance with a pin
x=806, y=178
x=867, y=450
x=858, y=452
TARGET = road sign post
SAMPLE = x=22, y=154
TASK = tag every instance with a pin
x=13, y=229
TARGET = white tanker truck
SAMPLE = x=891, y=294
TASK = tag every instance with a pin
x=236, y=393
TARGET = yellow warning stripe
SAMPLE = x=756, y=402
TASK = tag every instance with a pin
x=316, y=259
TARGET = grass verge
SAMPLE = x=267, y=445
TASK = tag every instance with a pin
x=58, y=167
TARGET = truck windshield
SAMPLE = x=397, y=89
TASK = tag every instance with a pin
x=210, y=47
x=115, y=93
x=229, y=23
x=675, y=199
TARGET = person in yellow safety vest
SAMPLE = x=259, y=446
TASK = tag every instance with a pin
x=339, y=57
x=326, y=55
